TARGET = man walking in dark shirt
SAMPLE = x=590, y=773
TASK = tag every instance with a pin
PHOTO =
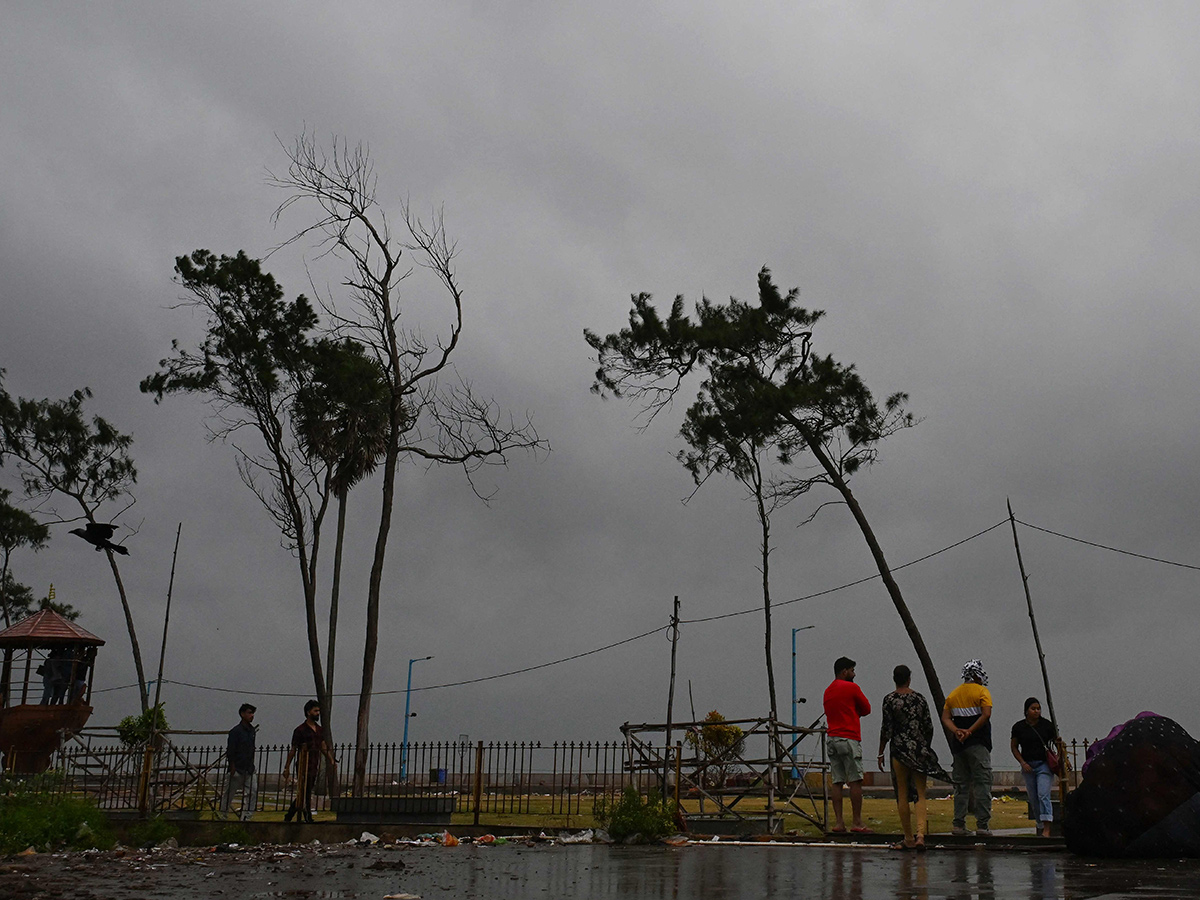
x=308, y=745
x=241, y=778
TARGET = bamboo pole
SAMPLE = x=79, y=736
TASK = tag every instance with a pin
x=1032, y=619
x=1037, y=640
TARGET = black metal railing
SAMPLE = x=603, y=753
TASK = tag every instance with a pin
x=558, y=779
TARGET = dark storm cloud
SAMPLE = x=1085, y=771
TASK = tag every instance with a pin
x=994, y=204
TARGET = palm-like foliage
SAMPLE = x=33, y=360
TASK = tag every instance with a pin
x=341, y=418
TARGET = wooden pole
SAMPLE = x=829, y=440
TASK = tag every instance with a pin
x=670, y=695
x=162, y=653
x=152, y=740
x=1032, y=620
x=1062, y=756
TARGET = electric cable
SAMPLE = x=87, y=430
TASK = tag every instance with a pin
x=1077, y=540
x=849, y=584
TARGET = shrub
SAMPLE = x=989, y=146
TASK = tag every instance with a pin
x=49, y=822
x=135, y=730
x=652, y=818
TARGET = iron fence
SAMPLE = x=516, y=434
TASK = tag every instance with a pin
x=187, y=774
x=558, y=779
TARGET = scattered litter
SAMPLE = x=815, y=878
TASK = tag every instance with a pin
x=486, y=839
x=28, y=851
x=401, y=897
x=583, y=837
x=602, y=837
x=675, y=840
x=368, y=838
x=449, y=840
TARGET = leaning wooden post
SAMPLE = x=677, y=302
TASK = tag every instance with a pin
x=478, y=792
x=1062, y=781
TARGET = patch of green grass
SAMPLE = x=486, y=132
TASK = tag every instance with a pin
x=49, y=822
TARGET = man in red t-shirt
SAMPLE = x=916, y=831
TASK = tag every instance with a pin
x=845, y=704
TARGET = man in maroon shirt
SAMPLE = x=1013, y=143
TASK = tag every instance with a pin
x=845, y=703
x=308, y=746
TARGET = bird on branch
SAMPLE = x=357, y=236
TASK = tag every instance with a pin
x=100, y=536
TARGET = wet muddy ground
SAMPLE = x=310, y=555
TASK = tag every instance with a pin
x=714, y=872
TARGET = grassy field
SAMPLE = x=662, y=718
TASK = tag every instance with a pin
x=879, y=814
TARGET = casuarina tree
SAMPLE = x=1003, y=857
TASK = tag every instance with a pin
x=62, y=453
x=434, y=415
x=257, y=356
x=17, y=529
x=762, y=387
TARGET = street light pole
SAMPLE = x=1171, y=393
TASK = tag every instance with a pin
x=795, y=771
x=407, y=698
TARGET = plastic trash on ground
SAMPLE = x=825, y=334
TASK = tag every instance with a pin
x=582, y=837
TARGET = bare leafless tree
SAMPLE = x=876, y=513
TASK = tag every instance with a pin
x=434, y=415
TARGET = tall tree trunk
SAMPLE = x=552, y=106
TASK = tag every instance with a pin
x=331, y=650
x=885, y=572
x=370, y=645
x=308, y=575
x=334, y=594
x=4, y=590
x=133, y=639
x=764, y=521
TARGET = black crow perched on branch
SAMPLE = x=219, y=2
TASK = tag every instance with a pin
x=100, y=536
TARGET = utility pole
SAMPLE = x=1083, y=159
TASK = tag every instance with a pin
x=407, y=698
x=1032, y=621
x=162, y=652
x=1062, y=756
x=670, y=695
x=795, y=771
x=152, y=739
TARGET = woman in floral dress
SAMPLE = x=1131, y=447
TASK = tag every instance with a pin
x=908, y=727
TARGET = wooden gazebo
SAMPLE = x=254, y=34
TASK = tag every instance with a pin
x=60, y=657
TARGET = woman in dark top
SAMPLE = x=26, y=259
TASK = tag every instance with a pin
x=908, y=726
x=1032, y=737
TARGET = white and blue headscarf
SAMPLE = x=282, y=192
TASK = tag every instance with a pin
x=973, y=671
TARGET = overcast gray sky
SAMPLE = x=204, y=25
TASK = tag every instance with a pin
x=994, y=203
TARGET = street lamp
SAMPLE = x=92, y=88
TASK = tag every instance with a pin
x=407, y=698
x=795, y=771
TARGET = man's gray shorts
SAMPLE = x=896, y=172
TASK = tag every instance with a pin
x=845, y=760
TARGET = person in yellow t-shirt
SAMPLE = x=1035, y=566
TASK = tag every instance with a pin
x=967, y=717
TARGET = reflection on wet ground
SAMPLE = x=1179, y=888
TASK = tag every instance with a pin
x=711, y=872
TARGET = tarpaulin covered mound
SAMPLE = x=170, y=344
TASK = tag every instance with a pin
x=1140, y=794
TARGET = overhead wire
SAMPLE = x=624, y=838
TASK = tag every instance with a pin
x=434, y=687
x=849, y=584
x=1078, y=540
x=668, y=626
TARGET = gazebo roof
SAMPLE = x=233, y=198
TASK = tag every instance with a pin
x=46, y=628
